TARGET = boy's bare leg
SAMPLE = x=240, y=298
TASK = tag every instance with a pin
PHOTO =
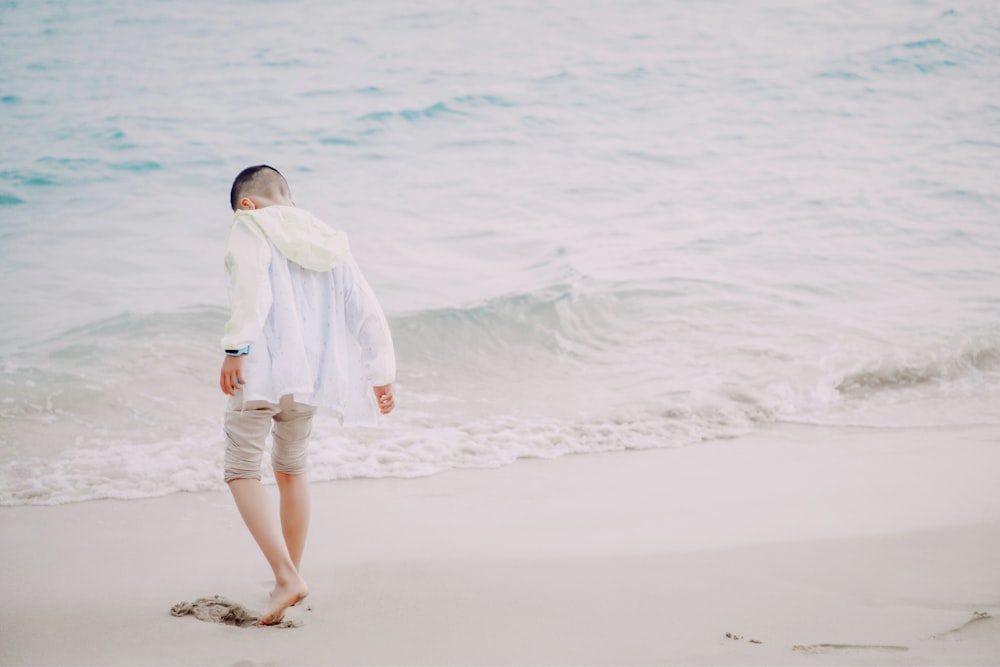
x=295, y=505
x=255, y=508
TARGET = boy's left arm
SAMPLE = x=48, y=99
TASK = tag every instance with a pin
x=369, y=327
x=385, y=398
x=250, y=297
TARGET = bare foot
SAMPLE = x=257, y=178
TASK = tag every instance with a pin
x=294, y=604
x=283, y=597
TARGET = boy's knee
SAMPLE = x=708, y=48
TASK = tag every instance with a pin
x=240, y=468
x=292, y=429
x=291, y=460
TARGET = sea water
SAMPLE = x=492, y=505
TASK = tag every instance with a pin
x=593, y=225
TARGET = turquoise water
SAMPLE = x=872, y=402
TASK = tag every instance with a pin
x=594, y=225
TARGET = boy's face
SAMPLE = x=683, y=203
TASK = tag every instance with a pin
x=251, y=202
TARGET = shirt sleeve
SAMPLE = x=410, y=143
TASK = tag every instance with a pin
x=367, y=323
x=248, y=257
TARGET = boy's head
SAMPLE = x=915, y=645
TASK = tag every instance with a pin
x=259, y=186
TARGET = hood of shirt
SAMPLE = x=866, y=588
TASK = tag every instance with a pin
x=300, y=236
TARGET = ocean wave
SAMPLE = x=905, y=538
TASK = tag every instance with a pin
x=126, y=407
x=932, y=55
x=131, y=326
x=968, y=359
x=437, y=110
x=540, y=334
x=117, y=378
x=453, y=107
x=558, y=318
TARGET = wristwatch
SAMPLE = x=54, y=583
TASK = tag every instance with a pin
x=236, y=353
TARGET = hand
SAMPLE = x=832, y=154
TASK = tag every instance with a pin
x=231, y=376
x=385, y=400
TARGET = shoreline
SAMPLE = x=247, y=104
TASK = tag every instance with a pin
x=856, y=546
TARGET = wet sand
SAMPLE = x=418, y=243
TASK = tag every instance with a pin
x=796, y=545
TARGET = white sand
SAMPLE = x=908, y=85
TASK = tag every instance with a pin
x=827, y=546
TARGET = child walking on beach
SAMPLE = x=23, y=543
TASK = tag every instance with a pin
x=305, y=331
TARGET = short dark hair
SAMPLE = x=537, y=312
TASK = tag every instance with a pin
x=259, y=179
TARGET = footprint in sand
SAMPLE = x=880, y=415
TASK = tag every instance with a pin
x=218, y=609
x=815, y=649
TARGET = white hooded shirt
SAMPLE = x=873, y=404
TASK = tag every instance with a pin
x=313, y=324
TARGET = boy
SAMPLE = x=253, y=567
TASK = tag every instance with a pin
x=305, y=330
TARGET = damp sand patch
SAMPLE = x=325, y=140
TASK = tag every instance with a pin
x=981, y=625
x=218, y=609
x=819, y=649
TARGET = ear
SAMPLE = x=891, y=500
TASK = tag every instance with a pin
x=247, y=204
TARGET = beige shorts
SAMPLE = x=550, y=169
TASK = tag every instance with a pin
x=247, y=426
